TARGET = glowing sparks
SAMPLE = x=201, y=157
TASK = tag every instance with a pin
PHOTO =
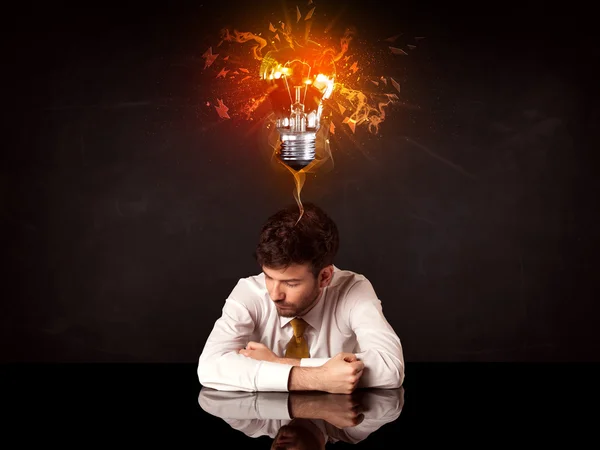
x=222, y=110
x=209, y=57
x=352, y=93
x=223, y=73
x=398, y=51
x=351, y=123
x=393, y=38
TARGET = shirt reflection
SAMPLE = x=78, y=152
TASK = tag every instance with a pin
x=305, y=420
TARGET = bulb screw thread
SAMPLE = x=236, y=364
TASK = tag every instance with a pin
x=297, y=150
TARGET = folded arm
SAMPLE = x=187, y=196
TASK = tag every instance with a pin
x=221, y=366
x=228, y=363
x=339, y=374
x=379, y=346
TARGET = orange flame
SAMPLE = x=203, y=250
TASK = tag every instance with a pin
x=244, y=94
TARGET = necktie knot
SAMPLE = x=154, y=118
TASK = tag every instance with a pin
x=298, y=325
x=298, y=346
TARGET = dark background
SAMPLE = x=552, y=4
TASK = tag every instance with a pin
x=129, y=210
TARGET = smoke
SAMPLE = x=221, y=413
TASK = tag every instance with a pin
x=245, y=36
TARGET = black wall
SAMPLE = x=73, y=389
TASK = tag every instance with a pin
x=129, y=209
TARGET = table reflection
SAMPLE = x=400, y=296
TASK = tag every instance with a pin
x=305, y=419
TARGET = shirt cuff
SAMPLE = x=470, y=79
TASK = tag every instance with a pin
x=273, y=377
x=313, y=362
x=273, y=405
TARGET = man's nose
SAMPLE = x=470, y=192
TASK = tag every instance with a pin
x=276, y=293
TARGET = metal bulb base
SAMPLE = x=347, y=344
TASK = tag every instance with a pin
x=297, y=149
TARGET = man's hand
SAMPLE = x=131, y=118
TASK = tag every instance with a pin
x=339, y=375
x=258, y=351
x=341, y=411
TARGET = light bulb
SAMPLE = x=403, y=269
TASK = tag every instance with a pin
x=299, y=78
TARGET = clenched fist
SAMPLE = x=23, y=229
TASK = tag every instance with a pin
x=342, y=373
x=339, y=375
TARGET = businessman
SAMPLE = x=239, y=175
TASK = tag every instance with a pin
x=302, y=323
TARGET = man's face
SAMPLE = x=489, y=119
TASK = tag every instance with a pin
x=294, y=289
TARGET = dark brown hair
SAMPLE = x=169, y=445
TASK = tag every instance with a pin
x=285, y=240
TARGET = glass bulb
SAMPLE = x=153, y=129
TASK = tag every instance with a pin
x=298, y=77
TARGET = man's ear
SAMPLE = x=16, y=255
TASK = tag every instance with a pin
x=325, y=276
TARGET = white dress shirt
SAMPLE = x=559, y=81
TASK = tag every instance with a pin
x=264, y=413
x=347, y=318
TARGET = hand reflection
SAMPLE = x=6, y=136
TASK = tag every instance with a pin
x=341, y=411
x=305, y=419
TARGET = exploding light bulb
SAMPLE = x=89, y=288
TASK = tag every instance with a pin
x=299, y=78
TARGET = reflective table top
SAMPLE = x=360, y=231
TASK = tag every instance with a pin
x=468, y=404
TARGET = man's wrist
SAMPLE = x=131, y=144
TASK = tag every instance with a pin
x=303, y=406
x=305, y=379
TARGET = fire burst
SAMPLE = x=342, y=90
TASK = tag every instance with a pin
x=302, y=88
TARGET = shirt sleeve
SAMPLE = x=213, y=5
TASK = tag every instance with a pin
x=221, y=367
x=379, y=346
x=313, y=362
x=245, y=405
x=254, y=414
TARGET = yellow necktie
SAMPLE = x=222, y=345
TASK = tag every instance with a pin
x=297, y=347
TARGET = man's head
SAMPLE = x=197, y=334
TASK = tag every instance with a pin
x=297, y=256
x=299, y=434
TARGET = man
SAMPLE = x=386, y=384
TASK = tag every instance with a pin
x=302, y=324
